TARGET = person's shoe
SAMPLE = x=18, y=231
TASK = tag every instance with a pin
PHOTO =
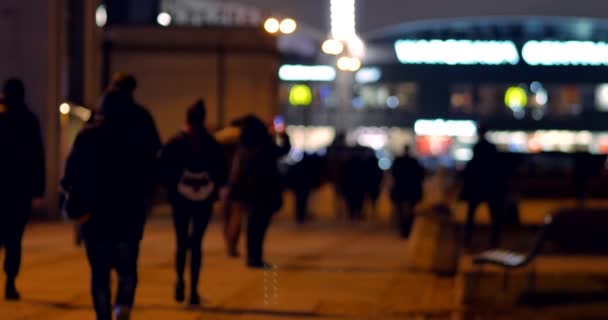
x=122, y=313
x=180, y=295
x=258, y=265
x=195, y=300
x=10, y=292
x=233, y=253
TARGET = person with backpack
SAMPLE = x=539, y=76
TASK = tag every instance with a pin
x=194, y=170
x=22, y=176
x=256, y=183
x=113, y=168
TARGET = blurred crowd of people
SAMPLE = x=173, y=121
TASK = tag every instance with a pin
x=118, y=159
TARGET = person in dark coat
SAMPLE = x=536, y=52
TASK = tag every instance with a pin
x=303, y=177
x=374, y=176
x=256, y=182
x=484, y=182
x=354, y=177
x=65, y=184
x=194, y=170
x=407, y=191
x=114, y=164
x=22, y=176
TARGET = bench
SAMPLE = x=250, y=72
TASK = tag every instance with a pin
x=571, y=232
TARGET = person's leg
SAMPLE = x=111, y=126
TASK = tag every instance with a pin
x=232, y=228
x=253, y=256
x=181, y=223
x=406, y=216
x=78, y=235
x=497, y=213
x=255, y=237
x=200, y=222
x=13, y=249
x=99, y=258
x=301, y=205
x=127, y=254
x=470, y=224
x=258, y=224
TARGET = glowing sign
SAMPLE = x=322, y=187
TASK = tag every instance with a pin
x=368, y=75
x=565, y=53
x=212, y=13
x=457, y=52
x=300, y=95
x=440, y=127
x=307, y=73
x=516, y=97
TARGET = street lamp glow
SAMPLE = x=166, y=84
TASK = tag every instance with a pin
x=342, y=19
x=288, y=26
x=333, y=47
x=164, y=19
x=356, y=47
x=65, y=108
x=101, y=16
x=272, y=25
x=349, y=64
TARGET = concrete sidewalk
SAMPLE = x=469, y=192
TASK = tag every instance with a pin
x=321, y=272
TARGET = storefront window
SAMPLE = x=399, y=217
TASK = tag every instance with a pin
x=461, y=99
x=533, y=100
x=323, y=95
x=384, y=96
x=601, y=97
x=566, y=100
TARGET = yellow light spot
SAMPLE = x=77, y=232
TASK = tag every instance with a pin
x=516, y=97
x=300, y=95
x=65, y=108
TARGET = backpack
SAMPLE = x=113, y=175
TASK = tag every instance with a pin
x=196, y=182
x=196, y=186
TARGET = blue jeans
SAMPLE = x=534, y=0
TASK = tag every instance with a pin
x=105, y=256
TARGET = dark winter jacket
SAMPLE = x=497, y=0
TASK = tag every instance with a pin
x=408, y=176
x=193, y=168
x=255, y=178
x=112, y=169
x=22, y=165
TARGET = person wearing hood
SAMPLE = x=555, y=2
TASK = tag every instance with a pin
x=194, y=170
x=22, y=176
x=113, y=164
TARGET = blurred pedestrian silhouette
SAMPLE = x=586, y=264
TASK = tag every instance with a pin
x=303, y=177
x=354, y=176
x=256, y=183
x=407, y=191
x=583, y=170
x=193, y=171
x=114, y=164
x=373, y=181
x=65, y=185
x=337, y=155
x=22, y=176
x=484, y=181
x=232, y=211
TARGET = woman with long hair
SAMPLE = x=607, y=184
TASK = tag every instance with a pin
x=256, y=183
x=194, y=169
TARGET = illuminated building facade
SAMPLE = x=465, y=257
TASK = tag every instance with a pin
x=540, y=84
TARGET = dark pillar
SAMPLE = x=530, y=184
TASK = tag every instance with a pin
x=76, y=54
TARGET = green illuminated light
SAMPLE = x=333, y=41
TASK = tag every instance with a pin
x=300, y=95
x=516, y=97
